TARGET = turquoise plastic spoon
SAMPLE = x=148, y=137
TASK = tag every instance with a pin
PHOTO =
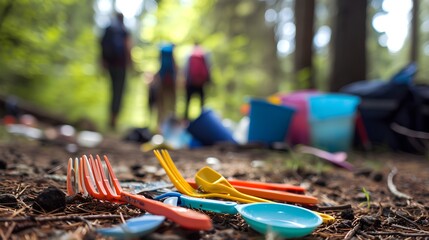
x=177, y=199
x=287, y=221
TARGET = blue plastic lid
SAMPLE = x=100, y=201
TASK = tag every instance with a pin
x=331, y=105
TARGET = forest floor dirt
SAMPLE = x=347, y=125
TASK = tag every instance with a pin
x=361, y=201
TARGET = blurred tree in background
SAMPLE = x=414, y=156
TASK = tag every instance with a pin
x=47, y=56
x=349, y=43
x=49, y=49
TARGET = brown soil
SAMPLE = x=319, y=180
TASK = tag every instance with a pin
x=361, y=201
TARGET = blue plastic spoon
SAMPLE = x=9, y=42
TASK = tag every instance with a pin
x=285, y=220
x=134, y=227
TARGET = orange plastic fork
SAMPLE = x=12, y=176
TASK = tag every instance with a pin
x=269, y=194
x=107, y=187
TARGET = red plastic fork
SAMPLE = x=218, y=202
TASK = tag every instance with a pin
x=98, y=185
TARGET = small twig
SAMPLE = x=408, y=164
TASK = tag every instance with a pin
x=402, y=234
x=82, y=219
x=18, y=187
x=392, y=186
x=352, y=232
x=22, y=191
x=17, y=212
x=408, y=228
x=408, y=220
x=54, y=169
x=122, y=218
x=365, y=235
x=2, y=236
x=333, y=208
x=9, y=231
x=58, y=218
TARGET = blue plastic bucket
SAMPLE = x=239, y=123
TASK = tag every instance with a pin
x=332, y=121
x=268, y=123
x=208, y=129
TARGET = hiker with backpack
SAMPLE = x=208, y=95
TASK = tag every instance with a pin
x=166, y=81
x=116, y=57
x=197, y=74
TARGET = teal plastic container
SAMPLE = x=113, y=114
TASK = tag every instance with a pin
x=332, y=121
x=268, y=123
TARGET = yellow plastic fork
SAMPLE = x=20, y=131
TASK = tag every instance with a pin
x=184, y=187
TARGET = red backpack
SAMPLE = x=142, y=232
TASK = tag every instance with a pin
x=198, y=73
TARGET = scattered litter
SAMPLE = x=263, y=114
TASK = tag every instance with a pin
x=108, y=187
x=283, y=220
x=89, y=138
x=257, y=163
x=50, y=200
x=212, y=161
x=8, y=200
x=157, y=139
x=337, y=158
x=241, y=130
x=71, y=148
x=134, y=228
x=3, y=164
x=26, y=131
x=56, y=177
x=67, y=130
x=140, y=135
x=150, y=169
x=209, y=130
x=157, y=142
x=392, y=186
x=138, y=187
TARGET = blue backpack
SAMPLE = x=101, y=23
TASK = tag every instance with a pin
x=167, y=70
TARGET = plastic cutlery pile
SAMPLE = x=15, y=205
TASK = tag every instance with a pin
x=95, y=177
x=211, y=184
x=88, y=176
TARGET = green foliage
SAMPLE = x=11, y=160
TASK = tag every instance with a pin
x=48, y=56
x=303, y=78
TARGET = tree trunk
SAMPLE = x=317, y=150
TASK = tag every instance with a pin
x=349, y=43
x=304, y=20
x=414, y=32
